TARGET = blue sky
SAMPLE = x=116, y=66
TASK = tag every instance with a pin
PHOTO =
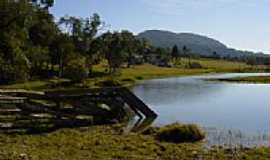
x=240, y=24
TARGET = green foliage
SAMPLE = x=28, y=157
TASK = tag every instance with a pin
x=175, y=52
x=115, y=51
x=76, y=69
x=26, y=31
x=11, y=73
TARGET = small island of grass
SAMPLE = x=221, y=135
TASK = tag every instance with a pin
x=251, y=79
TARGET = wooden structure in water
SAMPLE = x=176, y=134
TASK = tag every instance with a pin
x=22, y=110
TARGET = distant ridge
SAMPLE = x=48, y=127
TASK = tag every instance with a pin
x=199, y=44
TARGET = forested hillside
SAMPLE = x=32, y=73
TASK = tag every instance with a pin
x=201, y=45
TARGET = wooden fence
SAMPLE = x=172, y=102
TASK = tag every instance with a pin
x=28, y=111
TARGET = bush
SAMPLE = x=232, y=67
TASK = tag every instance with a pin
x=177, y=133
x=76, y=69
x=107, y=83
x=13, y=73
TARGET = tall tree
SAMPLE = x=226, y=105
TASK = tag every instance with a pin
x=61, y=48
x=186, y=52
x=175, y=52
x=83, y=33
x=130, y=44
x=115, y=51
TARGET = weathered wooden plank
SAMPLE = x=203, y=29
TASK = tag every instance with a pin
x=54, y=122
x=19, y=92
x=134, y=101
x=12, y=100
x=72, y=92
x=106, y=95
x=9, y=111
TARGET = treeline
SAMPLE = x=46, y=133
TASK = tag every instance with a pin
x=246, y=57
x=34, y=45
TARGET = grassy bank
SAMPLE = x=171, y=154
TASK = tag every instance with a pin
x=109, y=143
x=252, y=79
x=126, y=76
x=129, y=76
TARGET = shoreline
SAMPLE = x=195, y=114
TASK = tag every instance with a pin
x=107, y=142
x=246, y=80
x=132, y=75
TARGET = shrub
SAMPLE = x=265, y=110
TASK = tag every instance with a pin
x=177, y=133
x=107, y=83
x=13, y=73
x=76, y=69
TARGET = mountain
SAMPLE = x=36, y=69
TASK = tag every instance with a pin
x=197, y=43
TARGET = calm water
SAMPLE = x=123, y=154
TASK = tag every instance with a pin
x=224, y=106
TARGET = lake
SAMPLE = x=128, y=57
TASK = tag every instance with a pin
x=219, y=107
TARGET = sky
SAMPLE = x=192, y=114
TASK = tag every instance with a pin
x=239, y=24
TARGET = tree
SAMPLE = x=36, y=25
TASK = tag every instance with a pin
x=14, y=11
x=215, y=55
x=130, y=44
x=187, y=53
x=26, y=31
x=75, y=68
x=185, y=50
x=175, y=52
x=43, y=3
x=91, y=27
x=83, y=32
x=61, y=48
x=114, y=49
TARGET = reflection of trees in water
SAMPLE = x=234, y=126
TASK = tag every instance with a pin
x=165, y=92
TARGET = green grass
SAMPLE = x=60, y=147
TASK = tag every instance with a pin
x=35, y=84
x=223, y=65
x=251, y=79
x=109, y=143
x=31, y=85
x=129, y=76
